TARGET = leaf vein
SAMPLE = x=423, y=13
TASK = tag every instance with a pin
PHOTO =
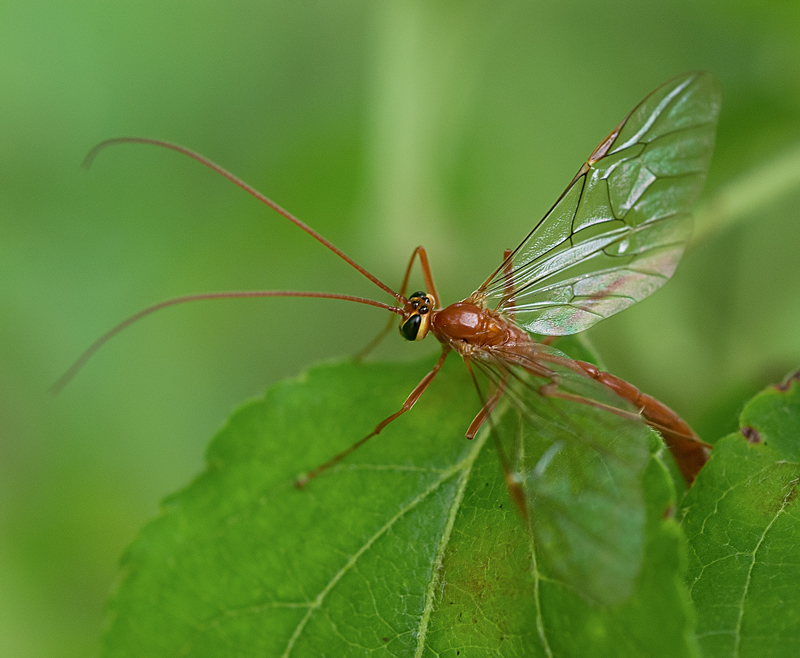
x=738, y=630
x=466, y=467
x=351, y=562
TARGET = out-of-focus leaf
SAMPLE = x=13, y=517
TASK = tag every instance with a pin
x=742, y=520
x=409, y=547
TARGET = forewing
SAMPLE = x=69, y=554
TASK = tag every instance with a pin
x=618, y=231
x=581, y=468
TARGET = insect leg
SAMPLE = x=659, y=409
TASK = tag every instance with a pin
x=411, y=400
x=512, y=481
x=426, y=273
x=487, y=409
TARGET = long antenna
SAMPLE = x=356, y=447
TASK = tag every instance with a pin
x=73, y=370
x=87, y=162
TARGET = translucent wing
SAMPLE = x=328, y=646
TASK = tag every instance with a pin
x=618, y=231
x=580, y=468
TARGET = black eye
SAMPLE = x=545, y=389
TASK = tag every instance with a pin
x=415, y=303
x=410, y=328
x=423, y=309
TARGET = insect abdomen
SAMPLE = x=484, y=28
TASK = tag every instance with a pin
x=690, y=452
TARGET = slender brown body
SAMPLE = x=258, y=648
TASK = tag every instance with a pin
x=612, y=238
x=479, y=333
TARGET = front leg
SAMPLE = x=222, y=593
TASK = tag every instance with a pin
x=411, y=400
x=420, y=253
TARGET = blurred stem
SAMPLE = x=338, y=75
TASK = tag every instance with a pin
x=426, y=58
x=759, y=187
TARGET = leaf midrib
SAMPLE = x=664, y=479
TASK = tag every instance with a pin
x=464, y=466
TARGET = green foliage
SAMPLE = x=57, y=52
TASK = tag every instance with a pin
x=412, y=546
x=743, y=525
x=382, y=124
x=409, y=547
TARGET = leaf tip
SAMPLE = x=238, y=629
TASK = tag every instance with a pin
x=787, y=382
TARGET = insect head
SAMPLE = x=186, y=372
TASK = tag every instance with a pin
x=417, y=316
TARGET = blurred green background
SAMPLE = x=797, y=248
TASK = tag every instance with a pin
x=382, y=124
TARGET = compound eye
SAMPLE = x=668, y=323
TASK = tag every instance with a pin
x=410, y=328
x=418, y=316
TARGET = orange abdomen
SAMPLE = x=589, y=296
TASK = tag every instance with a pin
x=689, y=451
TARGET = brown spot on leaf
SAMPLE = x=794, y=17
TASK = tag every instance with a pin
x=669, y=512
x=751, y=434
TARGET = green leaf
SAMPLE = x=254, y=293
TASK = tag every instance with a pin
x=409, y=547
x=743, y=524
